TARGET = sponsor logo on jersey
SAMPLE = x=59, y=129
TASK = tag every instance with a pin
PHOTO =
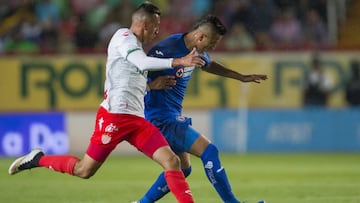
x=158, y=52
x=111, y=128
x=208, y=167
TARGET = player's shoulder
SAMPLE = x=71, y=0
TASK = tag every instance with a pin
x=174, y=38
x=124, y=34
x=168, y=45
x=171, y=40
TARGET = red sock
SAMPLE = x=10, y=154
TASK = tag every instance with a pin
x=178, y=186
x=63, y=164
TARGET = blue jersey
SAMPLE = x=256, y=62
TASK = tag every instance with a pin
x=160, y=104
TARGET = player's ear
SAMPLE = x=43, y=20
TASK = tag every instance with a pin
x=145, y=25
x=201, y=36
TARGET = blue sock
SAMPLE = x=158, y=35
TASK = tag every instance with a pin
x=216, y=174
x=160, y=188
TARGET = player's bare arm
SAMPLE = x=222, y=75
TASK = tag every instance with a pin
x=218, y=69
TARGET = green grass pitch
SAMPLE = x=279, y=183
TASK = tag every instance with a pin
x=276, y=178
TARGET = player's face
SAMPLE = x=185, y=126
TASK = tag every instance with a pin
x=152, y=28
x=209, y=42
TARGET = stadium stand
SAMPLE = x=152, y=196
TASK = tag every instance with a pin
x=54, y=26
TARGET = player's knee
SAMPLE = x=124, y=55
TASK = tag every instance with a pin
x=83, y=172
x=86, y=174
x=173, y=162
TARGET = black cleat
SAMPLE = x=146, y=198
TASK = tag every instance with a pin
x=27, y=161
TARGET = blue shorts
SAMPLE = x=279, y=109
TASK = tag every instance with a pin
x=178, y=132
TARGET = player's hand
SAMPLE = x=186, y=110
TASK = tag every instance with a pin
x=162, y=82
x=192, y=59
x=254, y=78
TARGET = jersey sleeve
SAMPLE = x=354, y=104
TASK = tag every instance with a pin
x=206, y=57
x=130, y=49
x=128, y=44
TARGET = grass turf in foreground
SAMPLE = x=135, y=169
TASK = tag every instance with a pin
x=276, y=178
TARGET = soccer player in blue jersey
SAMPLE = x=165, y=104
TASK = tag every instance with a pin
x=164, y=107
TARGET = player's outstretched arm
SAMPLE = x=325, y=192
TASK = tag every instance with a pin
x=218, y=69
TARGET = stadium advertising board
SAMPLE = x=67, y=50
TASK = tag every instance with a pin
x=287, y=130
x=22, y=132
x=76, y=82
x=51, y=83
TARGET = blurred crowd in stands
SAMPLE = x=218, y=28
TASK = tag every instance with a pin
x=67, y=26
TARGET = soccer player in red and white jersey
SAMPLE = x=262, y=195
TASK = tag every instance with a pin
x=121, y=114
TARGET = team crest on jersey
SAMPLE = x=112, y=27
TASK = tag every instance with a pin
x=105, y=139
x=180, y=72
x=125, y=34
x=184, y=72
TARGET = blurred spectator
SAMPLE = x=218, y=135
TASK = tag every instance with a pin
x=286, y=29
x=18, y=44
x=30, y=29
x=48, y=16
x=14, y=14
x=200, y=7
x=239, y=38
x=81, y=7
x=109, y=27
x=352, y=91
x=301, y=8
x=97, y=15
x=285, y=4
x=124, y=12
x=47, y=13
x=241, y=13
x=261, y=13
x=314, y=29
x=66, y=37
x=317, y=84
x=263, y=41
x=52, y=25
x=232, y=12
x=320, y=6
x=178, y=19
x=85, y=38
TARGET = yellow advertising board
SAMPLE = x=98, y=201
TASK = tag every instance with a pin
x=62, y=82
x=51, y=83
x=283, y=89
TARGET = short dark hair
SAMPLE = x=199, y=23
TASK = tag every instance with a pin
x=215, y=23
x=149, y=8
